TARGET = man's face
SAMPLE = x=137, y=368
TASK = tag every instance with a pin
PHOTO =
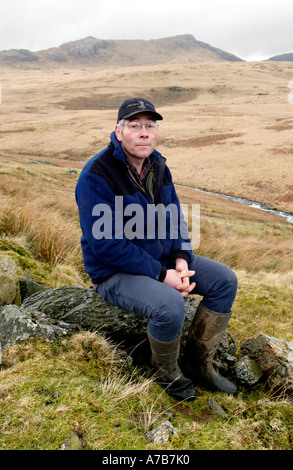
x=137, y=145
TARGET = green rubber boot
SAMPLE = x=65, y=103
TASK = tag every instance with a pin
x=169, y=375
x=204, y=337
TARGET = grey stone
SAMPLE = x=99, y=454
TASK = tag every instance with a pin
x=275, y=357
x=248, y=372
x=74, y=442
x=29, y=286
x=19, y=324
x=9, y=291
x=84, y=308
x=216, y=408
x=161, y=433
x=225, y=358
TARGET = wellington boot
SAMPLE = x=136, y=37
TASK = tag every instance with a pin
x=169, y=375
x=204, y=337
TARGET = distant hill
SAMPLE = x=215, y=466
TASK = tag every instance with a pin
x=283, y=57
x=98, y=52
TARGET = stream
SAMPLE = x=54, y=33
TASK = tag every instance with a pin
x=257, y=205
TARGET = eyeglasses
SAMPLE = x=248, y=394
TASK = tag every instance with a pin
x=136, y=126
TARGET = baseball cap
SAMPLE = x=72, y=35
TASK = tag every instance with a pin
x=133, y=106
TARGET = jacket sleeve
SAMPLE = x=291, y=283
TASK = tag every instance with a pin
x=95, y=199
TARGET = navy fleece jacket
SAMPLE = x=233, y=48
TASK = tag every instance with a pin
x=117, y=237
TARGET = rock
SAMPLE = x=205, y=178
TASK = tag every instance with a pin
x=29, y=286
x=19, y=324
x=216, y=408
x=74, y=442
x=225, y=358
x=275, y=357
x=248, y=372
x=161, y=433
x=9, y=291
x=84, y=308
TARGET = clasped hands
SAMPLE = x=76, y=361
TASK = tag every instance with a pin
x=179, y=278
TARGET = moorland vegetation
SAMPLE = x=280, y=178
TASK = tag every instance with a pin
x=227, y=127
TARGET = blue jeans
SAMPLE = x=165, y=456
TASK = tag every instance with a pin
x=163, y=305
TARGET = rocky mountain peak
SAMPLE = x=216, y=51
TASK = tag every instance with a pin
x=99, y=52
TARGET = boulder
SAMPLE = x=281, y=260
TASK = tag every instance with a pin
x=19, y=324
x=248, y=372
x=83, y=308
x=29, y=286
x=274, y=357
x=9, y=282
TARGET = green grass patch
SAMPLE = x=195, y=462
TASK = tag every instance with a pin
x=83, y=384
x=263, y=305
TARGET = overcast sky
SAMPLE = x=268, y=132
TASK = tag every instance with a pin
x=250, y=29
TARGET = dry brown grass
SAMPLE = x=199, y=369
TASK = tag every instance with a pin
x=39, y=214
x=241, y=236
x=52, y=235
x=229, y=124
x=254, y=252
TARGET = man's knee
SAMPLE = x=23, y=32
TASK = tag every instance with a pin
x=170, y=314
x=221, y=295
x=231, y=281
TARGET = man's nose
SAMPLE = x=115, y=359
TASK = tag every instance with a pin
x=144, y=132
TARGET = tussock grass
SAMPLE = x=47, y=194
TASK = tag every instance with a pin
x=52, y=236
x=41, y=222
x=250, y=247
x=121, y=386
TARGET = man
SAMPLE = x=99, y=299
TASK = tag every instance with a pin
x=143, y=268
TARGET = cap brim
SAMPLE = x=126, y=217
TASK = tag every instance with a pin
x=155, y=114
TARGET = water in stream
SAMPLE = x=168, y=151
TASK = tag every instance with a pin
x=257, y=205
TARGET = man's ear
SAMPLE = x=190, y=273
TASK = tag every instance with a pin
x=118, y=133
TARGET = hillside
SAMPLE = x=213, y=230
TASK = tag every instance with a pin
x=92, y=51
x=283, y=57
x=230, y=120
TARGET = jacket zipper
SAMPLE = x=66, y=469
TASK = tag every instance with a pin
x=139, y=185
